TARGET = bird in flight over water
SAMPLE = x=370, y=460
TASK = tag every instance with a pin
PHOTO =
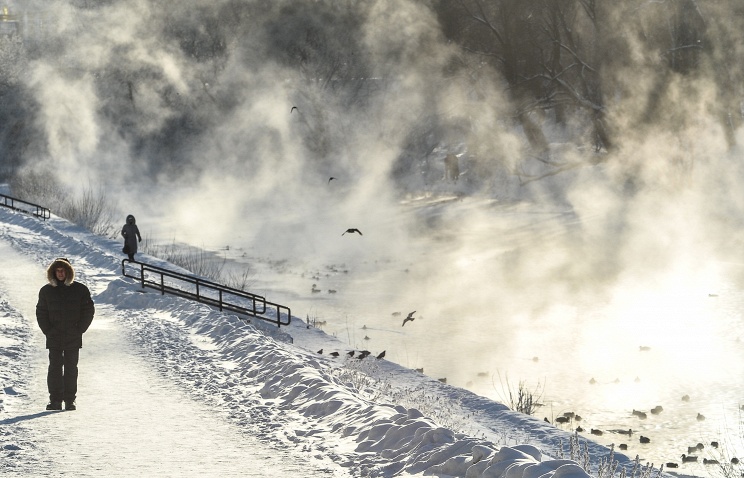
x=353, y=230
x=409, y=318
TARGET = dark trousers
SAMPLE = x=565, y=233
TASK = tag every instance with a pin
x=63, y=374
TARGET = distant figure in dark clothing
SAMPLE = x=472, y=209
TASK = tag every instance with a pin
x=64, y=312
x=451, y=168
x=131, y=235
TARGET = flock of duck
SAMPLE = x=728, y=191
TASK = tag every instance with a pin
x=692, y=451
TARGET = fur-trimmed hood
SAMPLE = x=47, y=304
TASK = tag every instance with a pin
x=60, y=262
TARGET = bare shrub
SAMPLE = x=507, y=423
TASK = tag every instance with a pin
x=40, y=187
x=240, y=280
x=193, y=259
x=92, y=209
x=199, y=262
x=521, y=399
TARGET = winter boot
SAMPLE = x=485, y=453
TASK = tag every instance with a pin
x=54, y=406
x=70, y=406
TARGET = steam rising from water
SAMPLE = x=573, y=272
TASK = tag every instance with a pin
x=205, y=148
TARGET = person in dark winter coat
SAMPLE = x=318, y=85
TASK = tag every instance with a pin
x=64, y=312
x=131, y=235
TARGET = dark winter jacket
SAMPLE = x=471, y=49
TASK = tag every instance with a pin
x=131, y=234
x=65, y=310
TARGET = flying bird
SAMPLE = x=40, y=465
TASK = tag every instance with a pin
x=409, y=318
x=331, y=179
x=293, y=108
x=353, y=230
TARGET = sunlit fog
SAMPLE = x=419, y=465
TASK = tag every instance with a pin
x=588, y=219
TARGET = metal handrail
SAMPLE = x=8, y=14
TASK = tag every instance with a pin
x=207, y=292
x=38, y=211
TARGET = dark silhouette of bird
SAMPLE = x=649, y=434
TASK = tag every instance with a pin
x=671, y=464
x=711, y=461
x=363, y=354
x=381, y=355
x=334, y=354
x=320, y=351
x=689, y=458
x=623, y=446
x=350, y=353
x=597, y=432
x=409, y=318
x=353, y=230
x=644, y=439
x=700, y=417
x=331, y=179
x=293, y=108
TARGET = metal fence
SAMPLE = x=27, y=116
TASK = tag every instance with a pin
x=25, y=206
x=206, y=292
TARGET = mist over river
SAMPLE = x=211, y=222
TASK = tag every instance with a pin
x=510, y=298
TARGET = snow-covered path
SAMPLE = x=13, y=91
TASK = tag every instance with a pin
x=130, y=421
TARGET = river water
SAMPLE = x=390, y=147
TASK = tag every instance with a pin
x=518, y=294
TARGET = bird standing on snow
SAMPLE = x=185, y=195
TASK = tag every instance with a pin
x=353, y=230
x=409, y=318
x=381, y=355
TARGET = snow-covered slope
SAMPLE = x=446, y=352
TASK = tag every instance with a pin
x=367, y=417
